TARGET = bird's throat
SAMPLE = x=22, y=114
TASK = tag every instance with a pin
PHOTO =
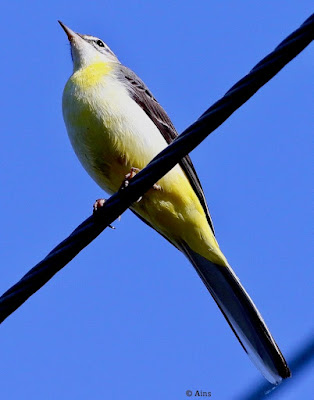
x=91, y=75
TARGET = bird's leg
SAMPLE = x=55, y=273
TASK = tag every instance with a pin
x=127, y=178
x=131, y=175
x=99, y=203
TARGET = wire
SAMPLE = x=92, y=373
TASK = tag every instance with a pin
x=157, y=168
x=297, y=363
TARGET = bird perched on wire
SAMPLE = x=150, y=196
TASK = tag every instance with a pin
x=116, y=128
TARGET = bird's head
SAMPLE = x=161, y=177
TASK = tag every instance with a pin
x=86, y=49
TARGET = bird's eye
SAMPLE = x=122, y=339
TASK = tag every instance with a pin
x=100, y=43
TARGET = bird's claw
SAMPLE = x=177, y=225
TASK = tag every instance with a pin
x=99, y=203
x=128, y=177
x=131, y=175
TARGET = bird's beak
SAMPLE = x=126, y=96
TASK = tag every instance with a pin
x=70, y=34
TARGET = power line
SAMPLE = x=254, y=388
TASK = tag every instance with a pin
x=297, y=364
x=157, y=168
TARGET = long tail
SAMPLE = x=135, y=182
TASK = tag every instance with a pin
x=242, y=316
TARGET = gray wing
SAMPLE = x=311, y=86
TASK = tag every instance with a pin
x=144, y=98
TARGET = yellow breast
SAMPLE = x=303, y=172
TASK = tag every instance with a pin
x=91, y=75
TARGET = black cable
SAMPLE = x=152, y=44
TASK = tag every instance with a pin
x=297, y=364
x=157, y=168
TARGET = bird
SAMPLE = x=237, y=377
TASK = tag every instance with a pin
x=116, y=127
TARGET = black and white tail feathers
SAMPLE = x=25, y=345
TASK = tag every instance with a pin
x=242, y=316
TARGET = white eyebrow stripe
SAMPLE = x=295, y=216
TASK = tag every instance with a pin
x=89, y=37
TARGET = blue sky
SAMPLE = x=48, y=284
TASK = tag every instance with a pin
x=129, y=317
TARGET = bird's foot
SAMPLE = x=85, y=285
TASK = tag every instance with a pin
x=128, y=177
x=99, y=203
x=156, y=186
x=131, y=175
